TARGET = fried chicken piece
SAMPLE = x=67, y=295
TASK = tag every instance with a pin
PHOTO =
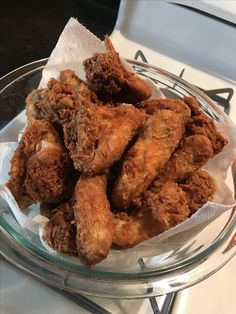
x=94, y=221
x=131, y=230
x=96, y=136
x=168, y=203
x=39, y=166
x=69, y=77
x=195, y=151
x=60, y=230
x=17, y=177
x=163, y=208
x=177, y=105
x=158, y=139
x=49, y=105
x=194, y=105
x=53, y=102
x=200, y=187
x=201, y=124
x=107, y=75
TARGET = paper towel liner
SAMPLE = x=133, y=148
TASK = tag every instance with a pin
x=75, y=44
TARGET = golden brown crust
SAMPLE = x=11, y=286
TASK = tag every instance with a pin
x=69, y=77
x=200, y=187
x=97, y=136
x=195, y=151
x=194, y=105
x=203, y=125
x=177, y=105
x=163, y=207
x=39, y=166
x=107, y=75
x=168, y=203
x=17, y=177
x=158, y=139
x=94, y=221
x=60, y=230
x=131, y=230
x=53, y=103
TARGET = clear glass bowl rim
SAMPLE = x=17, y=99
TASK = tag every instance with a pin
x=98, y=274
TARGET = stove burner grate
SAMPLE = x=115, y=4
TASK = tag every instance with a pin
x=214, y=94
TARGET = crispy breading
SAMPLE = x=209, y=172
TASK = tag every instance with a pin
x=107, y=75
x=69, y=77
x=177, y=105
x=94, y=221
x=53, y=102
x=201, y=124
x=195, y=151
x=168, y=203
x=194, y=105
x=39, y=166
x=96, y=136
x=17, y=177
x=163, y=207
x=200, y=187
x=60, y=230
x=131, y=230
x=153, y=148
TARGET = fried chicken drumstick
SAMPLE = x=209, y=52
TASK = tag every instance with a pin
x=158, y=139
x=39, y=166
x=94, y=221
x=107, y=75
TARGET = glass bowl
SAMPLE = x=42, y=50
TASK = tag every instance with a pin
x=200, y=255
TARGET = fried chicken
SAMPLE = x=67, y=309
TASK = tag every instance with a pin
x=131, y=230
x=195, y=151
x=39, y=166
x=168, y=203
x=158, y=139
x=201, y=124
x=194, y=105
x=163, y=208
x=107, y=75
x=54, y=102
x=94, y=221
x=176, y=105
x=200, y=187
x=60, y=230
x=96, y=136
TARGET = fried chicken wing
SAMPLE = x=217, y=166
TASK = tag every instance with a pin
x=200, y=187
x=94, y=221
x=96, y=136
x=176, y=105
x=39, y=166
x=168, y=203
x=163, y=207
x=195, y=151
x=53, y=102
x=107, y=75
x=131, y=230
x=201, y=124
x=158, y=139
x=60, y=230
